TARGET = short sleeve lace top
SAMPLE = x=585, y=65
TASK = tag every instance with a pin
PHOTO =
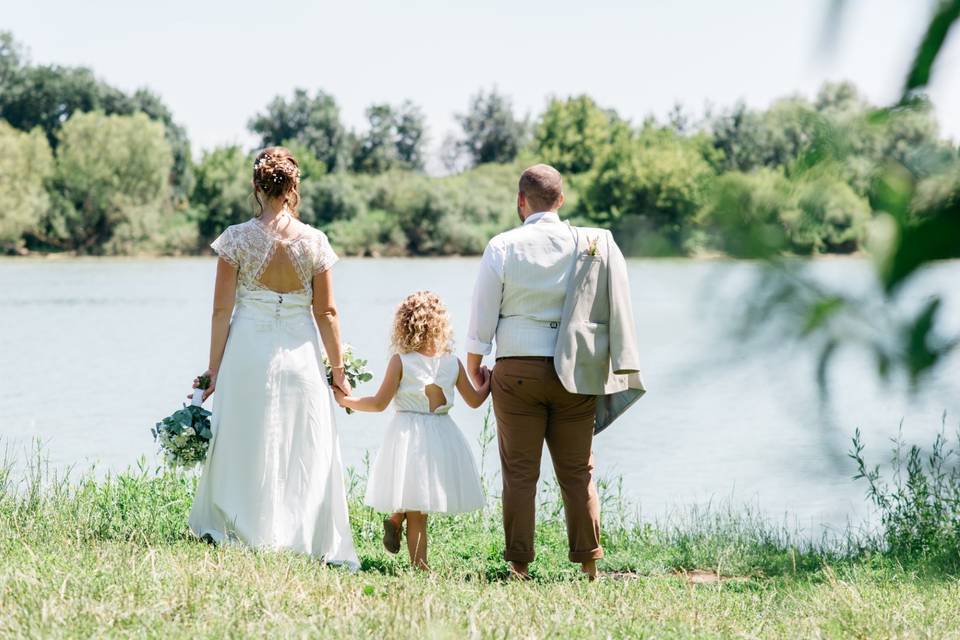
x=249, y=246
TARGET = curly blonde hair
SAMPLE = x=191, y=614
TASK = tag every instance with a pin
x=422, y=324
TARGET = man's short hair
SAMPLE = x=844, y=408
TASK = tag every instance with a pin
x=542, y=185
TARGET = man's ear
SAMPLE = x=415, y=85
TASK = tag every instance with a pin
x=561, y=201
x=521, y=200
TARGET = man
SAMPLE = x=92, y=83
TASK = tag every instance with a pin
x=556, y=299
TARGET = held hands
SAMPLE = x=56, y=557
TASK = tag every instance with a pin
x=481, y=380
x=339, y=396
x=340, y=381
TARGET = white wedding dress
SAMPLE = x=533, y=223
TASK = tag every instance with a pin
x=273, y=475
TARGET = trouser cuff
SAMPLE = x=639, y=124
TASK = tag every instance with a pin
x=583, y=556
x=518, y=556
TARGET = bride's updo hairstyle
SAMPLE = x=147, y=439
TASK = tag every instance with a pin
x=422, y=324
x=276, y=174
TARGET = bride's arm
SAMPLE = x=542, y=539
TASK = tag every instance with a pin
x=380, y=401
x=224, y=296
x=328, y=322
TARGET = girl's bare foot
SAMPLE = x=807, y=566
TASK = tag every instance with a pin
x=392, y=531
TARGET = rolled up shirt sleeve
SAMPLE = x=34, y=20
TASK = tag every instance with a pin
x=487, y=296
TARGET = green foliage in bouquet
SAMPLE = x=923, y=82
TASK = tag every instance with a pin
x=184, y=436
x=354, y=368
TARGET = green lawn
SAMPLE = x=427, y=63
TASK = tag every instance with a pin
x=111, y=558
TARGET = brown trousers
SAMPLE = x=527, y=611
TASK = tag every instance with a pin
x=531, y=407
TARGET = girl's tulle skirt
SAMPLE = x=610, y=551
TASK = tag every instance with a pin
x=426, y=465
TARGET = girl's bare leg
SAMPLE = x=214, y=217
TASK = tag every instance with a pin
x=397, y=518
x=417, y=539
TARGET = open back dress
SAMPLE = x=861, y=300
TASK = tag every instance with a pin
x=273, y=475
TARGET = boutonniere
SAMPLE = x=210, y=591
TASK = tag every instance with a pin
x=592, y=249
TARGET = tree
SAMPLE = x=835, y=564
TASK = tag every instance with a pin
x=45, y=96
x=12, y=59
x=657, y=175
x=223, y=190
x=917, y=224
x=744, y=212
x=571, y=134
x=181, y=174
x=772, y=138
x=312, y=121
x=828, y=216
x=839, y=97
x=491, y=133
x=25, y=164
x=394, y=139
x=411, y=136
x=110, y=188
x=375, y=151
x=738, y=134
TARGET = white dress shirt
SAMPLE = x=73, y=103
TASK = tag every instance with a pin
x=520, y=290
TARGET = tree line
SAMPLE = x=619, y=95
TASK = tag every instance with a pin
x=91, y=169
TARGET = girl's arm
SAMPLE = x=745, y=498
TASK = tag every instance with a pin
x=380, y=401
x=473, y=396
x=328, y=322
x=224, y=296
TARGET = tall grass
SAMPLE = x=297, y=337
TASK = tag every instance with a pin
x=83, y=555
x=919, y=505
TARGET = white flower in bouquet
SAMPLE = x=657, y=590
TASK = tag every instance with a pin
x=184, y=436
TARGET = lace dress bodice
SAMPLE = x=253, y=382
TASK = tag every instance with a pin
x=420, y=371
x=251, y=246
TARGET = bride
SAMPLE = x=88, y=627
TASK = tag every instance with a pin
x=273, y=476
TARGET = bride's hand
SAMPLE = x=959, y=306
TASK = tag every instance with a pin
x=209, y=390
x=340, y=381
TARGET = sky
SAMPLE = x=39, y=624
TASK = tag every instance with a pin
x=218, y=63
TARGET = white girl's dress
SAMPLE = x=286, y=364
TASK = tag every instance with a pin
x=273, y=476
x=425, y=463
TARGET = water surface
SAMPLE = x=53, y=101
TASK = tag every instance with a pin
x=93, y=352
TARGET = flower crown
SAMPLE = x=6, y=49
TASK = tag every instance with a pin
x=268, y=164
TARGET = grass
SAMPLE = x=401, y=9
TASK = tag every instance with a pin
x=111, y=557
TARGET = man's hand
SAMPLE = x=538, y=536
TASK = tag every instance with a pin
x=484, y=387
x=475, y=368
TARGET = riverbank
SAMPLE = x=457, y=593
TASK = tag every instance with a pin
x=112, y=558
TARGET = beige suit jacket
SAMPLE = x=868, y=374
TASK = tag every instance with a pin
x=597, y=344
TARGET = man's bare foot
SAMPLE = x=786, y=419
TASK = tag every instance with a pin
x=590, y=568
x=520, y=570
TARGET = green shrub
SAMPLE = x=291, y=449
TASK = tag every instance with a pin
x=25, y=164
x=223, y=190
x=919, y=505
x=829, y=216
x=112, y=174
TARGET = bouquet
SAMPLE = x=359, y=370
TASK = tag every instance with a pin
x=354, y=369
x=184, y=436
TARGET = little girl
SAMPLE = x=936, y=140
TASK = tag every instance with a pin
x=425, y=464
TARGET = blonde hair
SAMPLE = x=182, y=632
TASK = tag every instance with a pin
x=422, y=324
